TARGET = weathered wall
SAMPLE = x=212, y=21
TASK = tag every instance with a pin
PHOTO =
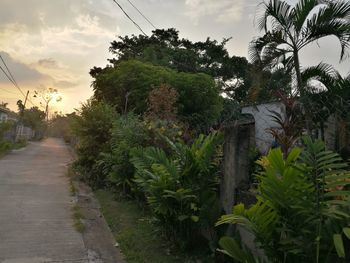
x=263, y=121
x=239, y=139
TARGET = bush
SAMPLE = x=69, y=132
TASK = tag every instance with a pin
x=128, y=132
x=302, y=213
x=198, y=96
x=181, y=188
x=93, y=127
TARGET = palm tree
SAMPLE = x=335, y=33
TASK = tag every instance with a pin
x=288, y=29
x=332, y=99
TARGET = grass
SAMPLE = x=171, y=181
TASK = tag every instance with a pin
x=77, y=218
x=137, y=236
x=6, y=146
x=70, y=174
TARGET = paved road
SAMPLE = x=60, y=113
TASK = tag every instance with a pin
x=36, y=222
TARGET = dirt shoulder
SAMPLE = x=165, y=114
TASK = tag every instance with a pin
x=97, y=236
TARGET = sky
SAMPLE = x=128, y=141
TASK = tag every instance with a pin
x=54, y=43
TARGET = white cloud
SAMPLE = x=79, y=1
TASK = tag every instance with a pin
x=222, y=11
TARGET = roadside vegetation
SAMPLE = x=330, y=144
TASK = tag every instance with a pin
x=138, y=239
x=150, y=143
x=7, y=145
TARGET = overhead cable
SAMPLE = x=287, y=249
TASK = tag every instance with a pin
x=126, y=14
x=138, y=10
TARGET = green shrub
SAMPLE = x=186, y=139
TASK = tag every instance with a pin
x=128, y=132
x=302, y=211
x=181, y=188
x=93, y=128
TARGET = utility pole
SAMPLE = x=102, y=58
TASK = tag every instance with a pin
x=25, y=101
x=21, y=123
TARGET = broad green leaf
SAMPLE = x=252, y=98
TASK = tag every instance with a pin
x=346, y=231
x=339, y=245
x=231, y=248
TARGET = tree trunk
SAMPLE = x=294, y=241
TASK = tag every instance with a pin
x=301, y=90
x=298, y=73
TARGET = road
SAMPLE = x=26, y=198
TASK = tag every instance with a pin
x=36, y=223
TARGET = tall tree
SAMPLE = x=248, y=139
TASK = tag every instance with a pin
x=288, y=29
x=128, y=85
x=165, y=48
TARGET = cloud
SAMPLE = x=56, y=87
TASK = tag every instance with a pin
x=23, y=73
x=223, y=11
x=47, y=62
x=65, y=84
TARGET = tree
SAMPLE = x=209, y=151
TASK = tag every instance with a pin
x=199, y=102
x=33, y=118
x=165, y=48
x=288, y=29
x=46, y=96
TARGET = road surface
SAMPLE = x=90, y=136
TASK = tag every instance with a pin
x=36, y=223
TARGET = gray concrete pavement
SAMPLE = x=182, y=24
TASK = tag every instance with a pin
x=36, y=222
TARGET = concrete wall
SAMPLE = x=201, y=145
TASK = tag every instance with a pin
x=263, y=121
x=239, y=139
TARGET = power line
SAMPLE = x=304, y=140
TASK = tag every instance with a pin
x=138, y=10
x=14, y=81
x=10, y=77
x=126, y=14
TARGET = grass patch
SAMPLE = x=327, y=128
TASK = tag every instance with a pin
x=70, y=174
x=7, y=146
x=137, y=236
x=77, y=218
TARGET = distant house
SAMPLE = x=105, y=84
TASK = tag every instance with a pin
x=7, y=115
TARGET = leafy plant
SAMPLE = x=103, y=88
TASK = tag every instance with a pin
x=302, y=210
x=179, y=187
x=93, y=128
x=128, y=132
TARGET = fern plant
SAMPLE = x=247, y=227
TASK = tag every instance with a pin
x=180, y=186
x=303, y=207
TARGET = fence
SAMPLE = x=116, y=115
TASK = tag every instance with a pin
x=19, y=131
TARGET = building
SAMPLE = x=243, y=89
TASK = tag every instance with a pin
x=7, y=115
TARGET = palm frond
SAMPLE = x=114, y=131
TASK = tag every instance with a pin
x=301, y=12
x=280, y=13
x=269, y=50
x=333, y=19
x=324, y=73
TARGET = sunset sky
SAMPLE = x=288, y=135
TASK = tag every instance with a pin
x=54, y=43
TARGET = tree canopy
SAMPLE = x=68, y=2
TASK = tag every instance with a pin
x=165, y=48
x=128, y=84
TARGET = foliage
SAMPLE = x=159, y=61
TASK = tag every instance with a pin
x=181, y=189
x=162, y=103
x=136, y=235
x=93, y=128
x=4, y=144
x=128, y=132
x=288, y=29
x=302, y=210
x=60, y=126
x=290, y=126
x=129, y=83
x=165, y=48
x=328, y=95
x=159, y=129
x=34, y=118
